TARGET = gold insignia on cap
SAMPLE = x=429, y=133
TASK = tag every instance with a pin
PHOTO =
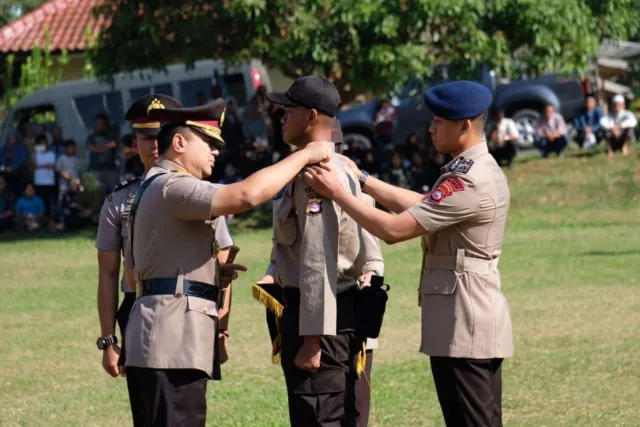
x=224, y=110
x=155, y=105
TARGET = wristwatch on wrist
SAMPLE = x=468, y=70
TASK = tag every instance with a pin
x=104, y=342
x=363, y=177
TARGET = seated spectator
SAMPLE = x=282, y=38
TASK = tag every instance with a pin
x=587, y=124
x=72, y=214
x=44, y=175
x=354, y=151
x=502, y=139
x=6, y=206
x=397, y=175
x=413, y=145
x=13, y=163
x=92, y=195
x=230, y=175
x=551, y=132
x=370, y=164
x=201, y=98
x=133, y=166
x=57, y=142
x=30, y=210
x=417, y=175
x=68, y=167
x=620, y=127
x=256, y=132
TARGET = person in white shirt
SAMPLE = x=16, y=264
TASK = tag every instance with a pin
x=502, y=139
x=68, y=167
x=620, y=125
x=44, y=176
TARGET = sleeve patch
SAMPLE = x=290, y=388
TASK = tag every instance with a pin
x=314, y=207
x=445, y=189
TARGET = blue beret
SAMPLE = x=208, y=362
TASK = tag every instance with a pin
x=458, y=100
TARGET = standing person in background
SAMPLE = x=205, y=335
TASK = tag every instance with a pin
x=44, y=174
x=103, y=153
x=13, y=163
x=620, y=126
x=7, y=206
x=68, y=167
x=384, y=120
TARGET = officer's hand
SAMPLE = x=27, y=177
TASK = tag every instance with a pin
x=110, y=358
x=319, y=151
x=229, y=272
x=268, y=279
x=365, y=279
x=323, y=178
x=352, y=165
x=308, y=357
x=222, y=342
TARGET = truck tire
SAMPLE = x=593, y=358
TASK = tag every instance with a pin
x=526, y=120
x=364, y=138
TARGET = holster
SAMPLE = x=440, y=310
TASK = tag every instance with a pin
x=372, y=303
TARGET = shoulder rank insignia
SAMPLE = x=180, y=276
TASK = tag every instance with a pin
x=126, y=183
x=314, y=207
x=461, y=165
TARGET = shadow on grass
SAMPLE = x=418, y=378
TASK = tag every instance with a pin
x=44, y=234
x=612, y=253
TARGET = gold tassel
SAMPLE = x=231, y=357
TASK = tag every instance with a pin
x=361, y=360
x=267, y=300
x=275, y=350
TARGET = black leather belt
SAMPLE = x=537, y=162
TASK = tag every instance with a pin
x=190, y=288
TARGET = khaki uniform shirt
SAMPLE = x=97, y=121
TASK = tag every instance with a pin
x=317, y=248
x=464, y=313
x=113, y=235
x=171, y=239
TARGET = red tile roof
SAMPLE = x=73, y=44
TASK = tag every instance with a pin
x=66, y=20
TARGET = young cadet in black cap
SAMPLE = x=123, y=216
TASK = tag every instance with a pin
x=317, y=259
x=466, y=325
x=112, y=238
x=173, y=337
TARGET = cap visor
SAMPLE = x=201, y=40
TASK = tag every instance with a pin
x=147, y=132
x=279, y=98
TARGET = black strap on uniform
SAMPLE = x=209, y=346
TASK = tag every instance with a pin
x=134, y=208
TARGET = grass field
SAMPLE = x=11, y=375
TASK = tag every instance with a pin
x=570, y=269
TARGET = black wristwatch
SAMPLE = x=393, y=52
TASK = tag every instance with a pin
x=104, y=342
x=363, y=178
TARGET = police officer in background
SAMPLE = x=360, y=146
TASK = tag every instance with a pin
x=316, y=257
x=466, y=325
x=173, y=335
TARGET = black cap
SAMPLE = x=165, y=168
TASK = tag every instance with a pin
x=312, y=92
x=336, y=133
x=207, y=119
x=138, y=113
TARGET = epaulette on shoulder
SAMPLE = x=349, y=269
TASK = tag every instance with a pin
x=126, y=183
x=461, y=165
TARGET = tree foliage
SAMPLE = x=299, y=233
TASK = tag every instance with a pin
x=363, y=45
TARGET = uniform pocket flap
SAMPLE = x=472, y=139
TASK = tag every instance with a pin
x=285, y=231
x=202, y=305
x=439, y=282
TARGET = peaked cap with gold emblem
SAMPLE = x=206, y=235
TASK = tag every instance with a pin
x=138, y=113
x=206, y=119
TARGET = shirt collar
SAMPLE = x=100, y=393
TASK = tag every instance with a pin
x=470, y=153
x=171, y=166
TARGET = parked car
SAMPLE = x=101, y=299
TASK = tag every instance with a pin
x=73, y=105
x=522, y=100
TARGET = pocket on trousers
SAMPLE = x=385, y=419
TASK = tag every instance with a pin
x=202, y=305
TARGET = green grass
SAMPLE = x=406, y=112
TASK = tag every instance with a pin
x=570, y=270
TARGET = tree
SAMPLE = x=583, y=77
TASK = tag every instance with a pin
x=362, y=45
x=13, y=9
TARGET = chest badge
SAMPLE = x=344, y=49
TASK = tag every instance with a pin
x=314, y=207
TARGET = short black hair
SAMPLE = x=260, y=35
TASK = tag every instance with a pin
x=41, y=138
x=69, y=142
x=481, y=120
x=101, y=116
x=167, y=132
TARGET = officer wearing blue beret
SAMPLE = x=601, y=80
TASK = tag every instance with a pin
x=466, y=324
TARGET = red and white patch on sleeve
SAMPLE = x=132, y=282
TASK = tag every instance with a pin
x=445, y=189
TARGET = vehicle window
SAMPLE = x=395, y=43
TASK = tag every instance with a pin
x=115, y=107
x=89, y=107
x=235, y=88
x=44, y=115
x=189, y=89
x=134, y=94
x=164, y=89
